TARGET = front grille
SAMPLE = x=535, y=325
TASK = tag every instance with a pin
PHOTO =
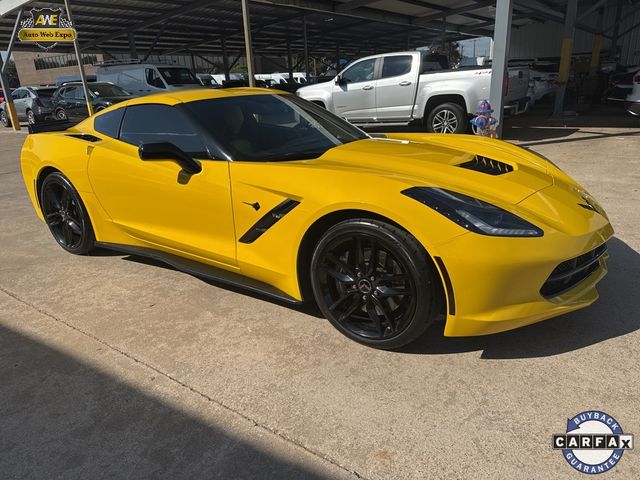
x=487, y=165
x=571, y=272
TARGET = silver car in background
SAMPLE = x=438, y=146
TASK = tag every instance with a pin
x=33, y=104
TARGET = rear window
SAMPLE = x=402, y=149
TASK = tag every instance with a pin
x=396, y=65
x=178, y=76
x=48, y=93
x=109, y=123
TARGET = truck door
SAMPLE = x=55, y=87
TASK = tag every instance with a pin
x=396, y=87
x=354, y=94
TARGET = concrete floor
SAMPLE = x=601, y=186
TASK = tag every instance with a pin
x=116, y=367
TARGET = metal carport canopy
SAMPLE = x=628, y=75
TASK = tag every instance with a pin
x=358, y=27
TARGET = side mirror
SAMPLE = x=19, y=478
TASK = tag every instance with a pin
x=340, y=80
x=168, y=151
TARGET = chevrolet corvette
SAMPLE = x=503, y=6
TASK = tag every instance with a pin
x=387, y=233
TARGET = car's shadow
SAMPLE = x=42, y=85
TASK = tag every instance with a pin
x=616, y=313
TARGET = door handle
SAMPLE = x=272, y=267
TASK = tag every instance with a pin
x=405, y=83
x=368, y=87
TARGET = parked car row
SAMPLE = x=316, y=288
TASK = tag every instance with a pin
x=35, y=104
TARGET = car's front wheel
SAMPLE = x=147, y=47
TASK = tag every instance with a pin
x=61, y=114
x=4, y=119
x=66, y=215
x=31, y=117
x=374, y=282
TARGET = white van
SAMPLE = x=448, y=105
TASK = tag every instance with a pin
x=147, y=78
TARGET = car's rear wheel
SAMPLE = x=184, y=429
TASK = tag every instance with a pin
x=61, y=114
x=66, y=215
x=447, y=118
x=4, y=119
x=374, y=282
x=31, y=117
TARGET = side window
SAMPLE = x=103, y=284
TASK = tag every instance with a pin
x=153, y=78
x=154, y=123
x=109, y=123
x=396, y=65
x=17, y=94
x=360, y=72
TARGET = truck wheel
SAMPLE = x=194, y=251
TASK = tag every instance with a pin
x=447, y=118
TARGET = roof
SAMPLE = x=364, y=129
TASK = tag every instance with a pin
x=355, y=27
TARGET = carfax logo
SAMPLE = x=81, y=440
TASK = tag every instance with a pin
x=594, y=442
x=46, y=27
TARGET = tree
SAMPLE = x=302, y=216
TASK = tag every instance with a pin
x=12, y=73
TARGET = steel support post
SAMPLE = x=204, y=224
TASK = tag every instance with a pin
x=565, y=55
x=225, y=59
x=83, y=77
x=246, y=25
x=597, y=44
x=289, y=60
x=499, y=70
x=616, y=29
x=306, y=47
x=132, y=45
x=10, y=109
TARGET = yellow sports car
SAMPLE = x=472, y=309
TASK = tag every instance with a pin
x=387, y=233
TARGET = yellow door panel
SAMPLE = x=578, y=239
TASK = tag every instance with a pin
x=155, y=201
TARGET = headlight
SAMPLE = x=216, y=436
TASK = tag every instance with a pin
x=473, y=214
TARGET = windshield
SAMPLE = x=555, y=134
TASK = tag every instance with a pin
x=272, y=127
x=107, y=90
x=178, y=76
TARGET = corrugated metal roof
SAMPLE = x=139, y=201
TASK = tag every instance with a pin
x=356, y=27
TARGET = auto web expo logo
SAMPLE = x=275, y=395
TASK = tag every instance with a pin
x=46, y=27
x=594, y=442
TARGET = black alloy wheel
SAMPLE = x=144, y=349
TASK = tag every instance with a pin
x=61, y=114
x=66, y=215
x=374, y=283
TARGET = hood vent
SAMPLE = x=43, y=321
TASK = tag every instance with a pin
x=487, y=165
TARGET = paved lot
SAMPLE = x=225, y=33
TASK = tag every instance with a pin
x=114, y=366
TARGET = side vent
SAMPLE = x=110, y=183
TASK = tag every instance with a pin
x=84, y=136
x=487, y=165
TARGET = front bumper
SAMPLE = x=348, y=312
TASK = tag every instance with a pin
x=497, y=281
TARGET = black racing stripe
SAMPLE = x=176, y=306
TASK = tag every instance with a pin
x=268, y=220
x=448, y=286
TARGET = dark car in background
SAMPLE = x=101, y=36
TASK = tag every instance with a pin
x=32, y=104
x=69, y=100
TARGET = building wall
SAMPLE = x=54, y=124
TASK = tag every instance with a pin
x=29, y=75
x=545, y=39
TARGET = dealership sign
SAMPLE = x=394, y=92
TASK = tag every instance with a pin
x=46, y=27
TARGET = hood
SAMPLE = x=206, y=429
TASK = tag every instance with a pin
x=487, y=169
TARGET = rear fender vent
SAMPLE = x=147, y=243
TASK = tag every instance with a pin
x=487, y=165
x=84, y=136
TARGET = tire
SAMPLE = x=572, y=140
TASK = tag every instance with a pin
x=447, y=118
x=385, y=306
x=31, y=117
x=66, y=215
x=60, y=114
x=4, y=119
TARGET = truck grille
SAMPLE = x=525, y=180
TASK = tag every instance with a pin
x=571, y=272
x=487, y=165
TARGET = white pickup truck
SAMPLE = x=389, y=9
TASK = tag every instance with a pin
x=404, y=87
